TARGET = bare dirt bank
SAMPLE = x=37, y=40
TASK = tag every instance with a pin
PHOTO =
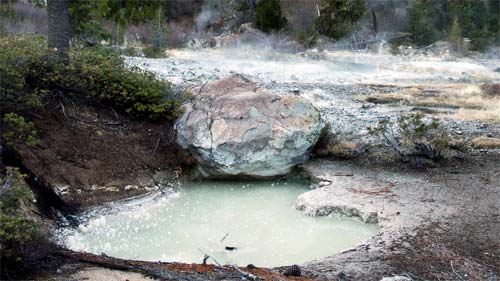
x=91, y=155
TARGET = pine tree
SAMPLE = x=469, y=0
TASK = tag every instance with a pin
x=338, y=17
x=422, y=21
x=268, y=17
x=455, y=37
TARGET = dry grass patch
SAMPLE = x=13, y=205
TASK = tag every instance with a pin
x=486, y=143
x=467, y=102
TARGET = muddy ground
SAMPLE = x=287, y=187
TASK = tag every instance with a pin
x=439, y=223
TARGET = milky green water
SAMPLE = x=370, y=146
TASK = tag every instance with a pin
x=257, y=218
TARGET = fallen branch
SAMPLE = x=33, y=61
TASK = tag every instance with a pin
x=156, y=146
x=453, y=269
x=343, y=174
x=244, y=273
x=117, y=264
x=116, y=114
x=63, y=110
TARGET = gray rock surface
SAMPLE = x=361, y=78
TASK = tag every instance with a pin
x=234, y=128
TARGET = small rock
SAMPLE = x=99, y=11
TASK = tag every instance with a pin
x=251, y=266
x=396, y=278
x=293, y=270
x=341, y=277
x=324, y=183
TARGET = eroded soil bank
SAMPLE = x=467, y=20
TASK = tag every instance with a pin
x=90, y=155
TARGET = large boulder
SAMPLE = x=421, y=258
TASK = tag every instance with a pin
x=235, y=129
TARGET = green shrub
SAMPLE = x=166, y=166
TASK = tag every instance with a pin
x=308, y=38
x=94, y=75
x=338, y=17
x=412, y=136
x=267, y=16
x=22, y=241
x=15, y=128
x=156, y=43
x=16, y=54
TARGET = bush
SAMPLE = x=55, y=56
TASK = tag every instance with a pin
x=29, y=79
x=338, y=17
x=16, y=54
x=157, y=44
x=267, y=16
x=491, y=89
x=411, y=136
x=22, y=241
x=308, y=38
x=15, y=128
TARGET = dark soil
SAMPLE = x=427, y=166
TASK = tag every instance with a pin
x=89, y=155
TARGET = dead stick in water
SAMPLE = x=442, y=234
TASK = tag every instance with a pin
x=224, y=238
x=210, y=257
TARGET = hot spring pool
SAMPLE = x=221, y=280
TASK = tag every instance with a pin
x=258, y=219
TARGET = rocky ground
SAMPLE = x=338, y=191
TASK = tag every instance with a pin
x=353, y=90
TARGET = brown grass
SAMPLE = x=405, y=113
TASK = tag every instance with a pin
x=486, y=143
x=466, y=102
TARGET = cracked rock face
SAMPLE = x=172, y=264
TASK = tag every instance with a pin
x=235, y=129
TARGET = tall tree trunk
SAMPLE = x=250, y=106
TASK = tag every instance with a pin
x=375, y=23
x=57, y=11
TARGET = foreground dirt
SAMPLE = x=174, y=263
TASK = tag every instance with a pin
x=440, y=223
x=84, y=266
x=90, y=155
